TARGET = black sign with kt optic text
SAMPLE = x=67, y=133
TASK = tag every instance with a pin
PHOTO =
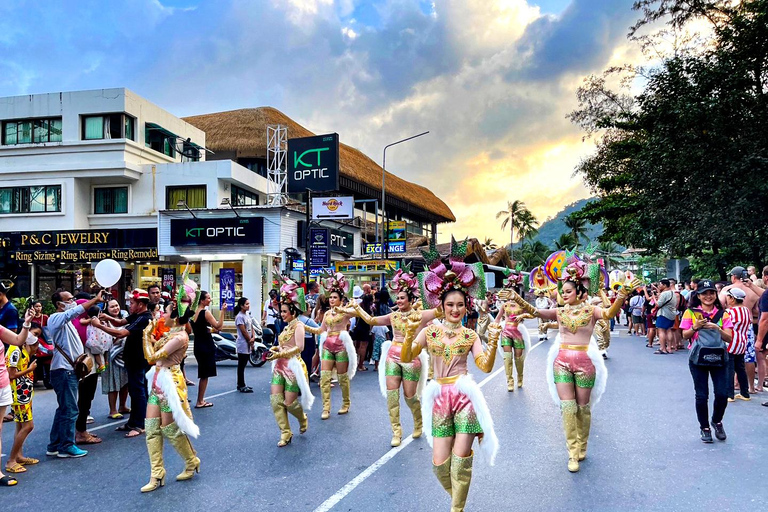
x=313, y=164
x=223, y=231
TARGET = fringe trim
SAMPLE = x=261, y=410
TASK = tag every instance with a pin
x=489, y=443
x=168, y=388
x=300, y=372
x=601, y=372
x=424, y=358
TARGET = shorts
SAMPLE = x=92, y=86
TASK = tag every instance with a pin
x=517, y=343
x=453, y=413
x=283, y=376
x=394, y=367
x=663, y=322
x=750, y=356
x=22, y=413
x=637, y=320
x=6, y=396
x=574, y=367
x=334, y=350
x=650, y=322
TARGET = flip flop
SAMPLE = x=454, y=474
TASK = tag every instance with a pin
x=206, y=404
x=16, y=468
x=88, y=439
x=27, y=461
x=135, y=432
x=125, y=411
x=8, y=481
x=116, y=416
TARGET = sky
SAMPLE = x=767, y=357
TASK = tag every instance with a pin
x=492, y=80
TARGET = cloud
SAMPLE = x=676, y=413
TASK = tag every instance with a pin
x=491, y=80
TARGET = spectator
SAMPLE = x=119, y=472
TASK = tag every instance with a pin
x=245, y=340
x=271, y=314
x=21, y=372
x=357, y=293
x=380, y=334
x=666, y=311
x=761, y=341
x=155, y=295
x=741, y=318
x=680, y=306
x=96, y=342
x=42, y=357
x=69, y=347
x=114, y=381
x=312, y=294
x=739, y=279
x=318, y=313
x=367, y=289
x=361, y=333
x=9, y=315
x=204, y=348
x=133, y=358
x=649, y=314
x=636, y=306
x=310, y=347
x=707, y=313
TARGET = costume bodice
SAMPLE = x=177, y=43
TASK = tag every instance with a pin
x=399, y=320
x=177, y=356
x=334, y=319
x=287, y=338
x=576, y=323
x=449, y=355
x=511, y=312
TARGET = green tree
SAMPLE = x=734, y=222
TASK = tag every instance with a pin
x=526, y=225
x=516, y=216
x=681, y=168
x=566, y=241
x=609, y=251
x=531, y=254
x=578, y=227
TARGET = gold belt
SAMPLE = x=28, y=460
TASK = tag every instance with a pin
x=580, y=348
x=447, y=380
x=397, y=343
x=335, y=333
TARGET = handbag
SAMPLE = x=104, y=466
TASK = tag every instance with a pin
x=709, y=349
x=83, y=364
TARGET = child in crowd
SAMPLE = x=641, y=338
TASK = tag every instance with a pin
x=21, y=372
x=97, y=341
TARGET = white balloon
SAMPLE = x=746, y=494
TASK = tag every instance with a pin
x=107, y=273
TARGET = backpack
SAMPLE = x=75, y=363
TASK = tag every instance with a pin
x=709, y=349
x=682, y=304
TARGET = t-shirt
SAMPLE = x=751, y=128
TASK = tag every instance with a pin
x=686, y=323
x=243, y=343
x=63, y=334
x=4, y=380
x=763, y=306
x=272, y=314
x=21, y=387
x=742, y=323
x=9, y=317
x=667, y=305
x=636, y=304
x=133, y=353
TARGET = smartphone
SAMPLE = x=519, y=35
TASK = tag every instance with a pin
x=697, y=316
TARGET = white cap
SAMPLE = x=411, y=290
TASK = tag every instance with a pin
x=357, y=292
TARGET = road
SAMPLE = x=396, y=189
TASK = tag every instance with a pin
x=644, y=453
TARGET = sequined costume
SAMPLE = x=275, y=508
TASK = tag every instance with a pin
x=602, y=332
x=515, y=336
x=290, y=373
x=168, y=391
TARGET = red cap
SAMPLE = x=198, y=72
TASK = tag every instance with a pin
x=139, y=294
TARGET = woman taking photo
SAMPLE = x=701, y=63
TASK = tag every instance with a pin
x=204, y=349
x=337, y=349
x=706, y=318
x=245, y=339
x=454, y=409
x=394, y=371
x=289, y=374
x=168, y=413
x=575, y=370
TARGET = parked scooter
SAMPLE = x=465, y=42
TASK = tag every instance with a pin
x=226, y=345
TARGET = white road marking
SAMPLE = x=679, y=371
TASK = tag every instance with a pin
x=370, y=470
x=120, y=422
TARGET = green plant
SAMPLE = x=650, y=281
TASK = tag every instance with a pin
x=22, y=304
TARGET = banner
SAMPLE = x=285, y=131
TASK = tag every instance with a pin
x=219, y=231
x=169, y=280
x=394, y=248
x=396, y=231
x=227, y=287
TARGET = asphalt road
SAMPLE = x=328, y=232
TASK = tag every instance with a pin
x=644, y=452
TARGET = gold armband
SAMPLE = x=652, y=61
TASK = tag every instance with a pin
x=528, y=308
x=409, y=352
x=148, y=341
x=615, y=308
x=313, y=330
x=160, y=354
x=362, y=314
x=486, y=360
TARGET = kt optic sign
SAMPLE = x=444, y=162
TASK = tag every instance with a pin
x=224, y=231
x=313, y=164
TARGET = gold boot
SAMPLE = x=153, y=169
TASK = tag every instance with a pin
x=281, y=417
x=414, y=404
x=570, y=427
x=298, y=412
x=443, y=474
x=155, y=448
x=393, y=405
x=344, y=385
x=325, y=389
x=584, y=415
x=183, y=447
x=509, y=370
x=520, y=365
x=461, y=476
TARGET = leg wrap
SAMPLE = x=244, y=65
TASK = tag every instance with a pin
x=520, y=365
x=461, y=476
x=393, y=405
x=509, y=370
x=568, y=410
x=281, y=416
x=298, y=412
x=584, y=415
x=443, y=474
x=155, y=449
x=325, y=388
x=414, y=404
x=183, y=447
x=344, y=385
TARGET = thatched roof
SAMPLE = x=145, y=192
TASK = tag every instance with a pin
x=475, y=253
x=244, y=132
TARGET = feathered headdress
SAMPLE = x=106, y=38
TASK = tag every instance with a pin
x=292, y=293
x=513, y=280
x=403, y=280
x=335, y=282
x=439, y=278
x=188, y=294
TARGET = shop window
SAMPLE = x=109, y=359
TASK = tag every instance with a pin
x=108, y=126
x=38, y=199
x=110, y=200
x=242, y=197
x=31, y=131
x=193, y=195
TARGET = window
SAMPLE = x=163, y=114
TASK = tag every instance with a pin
x=160, y=139
x=257, y=165
x=110, y=200
x=29, y=131
x=108, y=126
x=242, y=197
x=37, y=199
x=193, y=195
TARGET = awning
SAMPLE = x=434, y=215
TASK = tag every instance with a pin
x=168, y=133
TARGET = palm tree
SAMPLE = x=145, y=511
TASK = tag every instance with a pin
x=526, y=225
x=489, y=245
x=531, y=254
x=566, y=241
x=609, y=251
x=512, y=215
x=578, y=227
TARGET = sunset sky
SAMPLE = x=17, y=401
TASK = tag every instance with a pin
x=492, y=80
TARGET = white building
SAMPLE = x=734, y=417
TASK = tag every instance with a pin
x=84, y=175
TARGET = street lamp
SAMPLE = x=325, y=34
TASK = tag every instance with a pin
x=385, y=238
x=227, y=202
x=183, y=204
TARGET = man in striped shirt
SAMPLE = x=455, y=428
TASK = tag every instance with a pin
x=741, y=317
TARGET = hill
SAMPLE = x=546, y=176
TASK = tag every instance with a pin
x=552, y=228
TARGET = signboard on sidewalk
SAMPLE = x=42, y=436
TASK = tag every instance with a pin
x=333, y=208
x=227, y=287
x=319, y=247
x=313, y=164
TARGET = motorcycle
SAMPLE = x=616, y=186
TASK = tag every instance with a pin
x=226, y=345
